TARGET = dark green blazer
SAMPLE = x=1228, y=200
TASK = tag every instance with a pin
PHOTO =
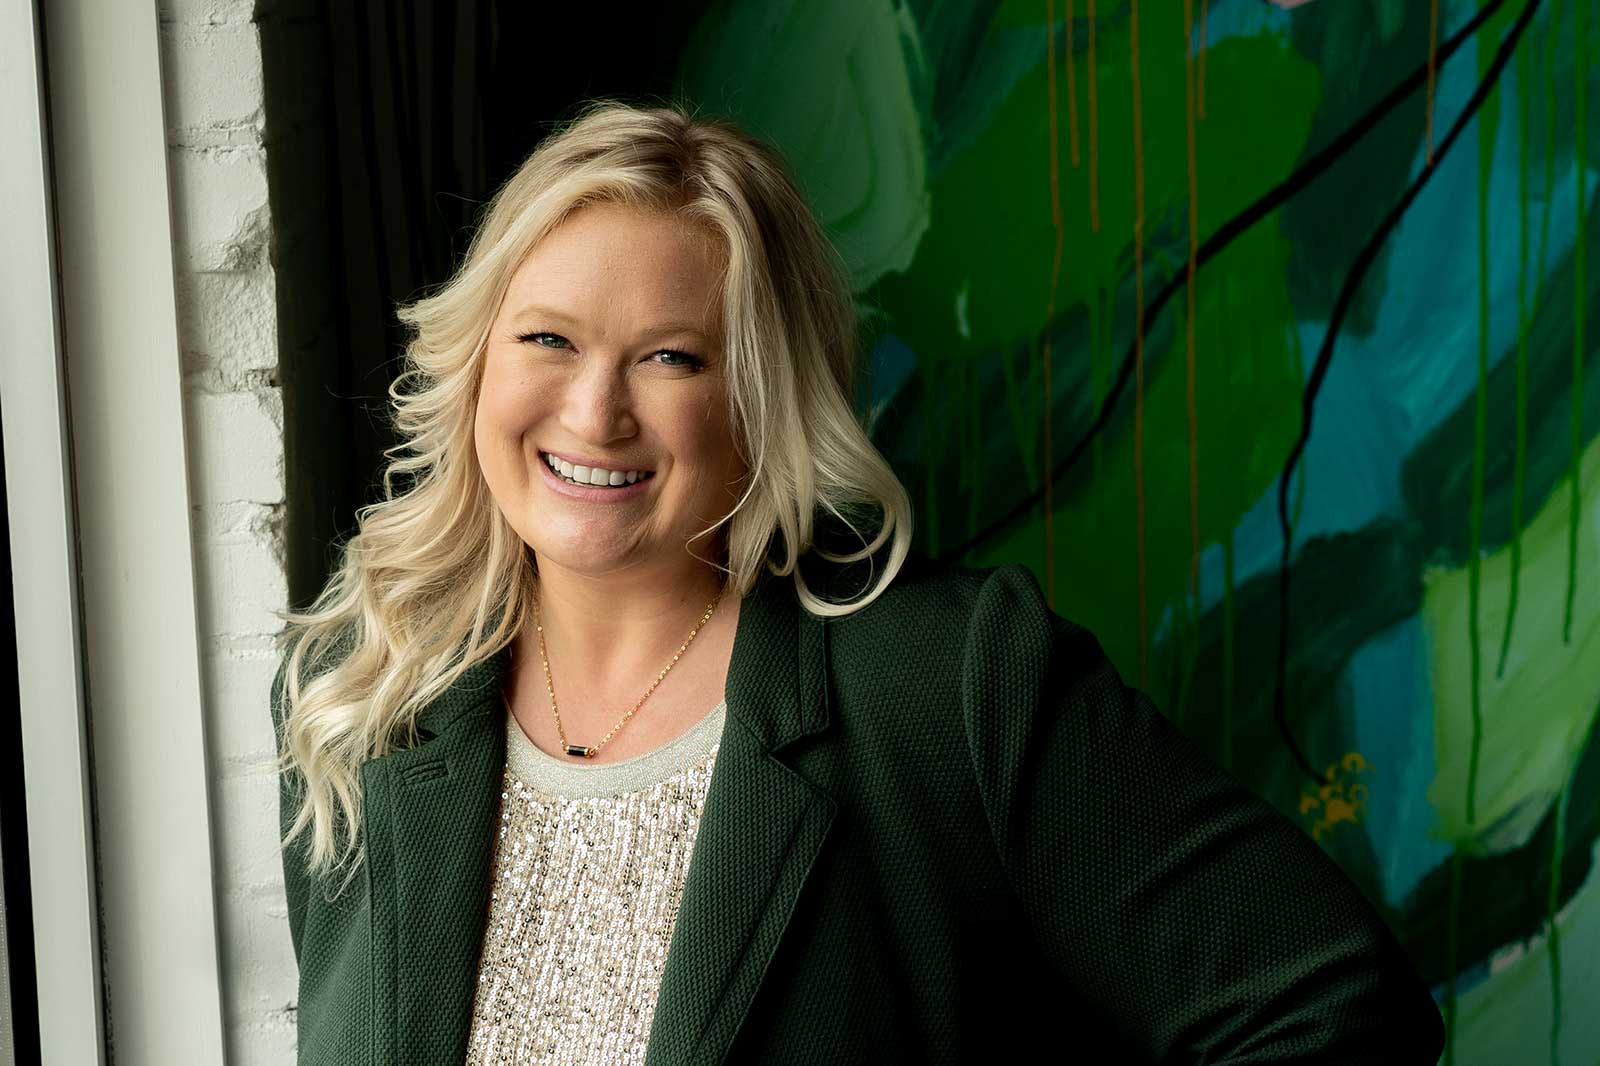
x=938, y=830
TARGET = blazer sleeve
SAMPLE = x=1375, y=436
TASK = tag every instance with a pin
x=295, y=880
x=1200, y=921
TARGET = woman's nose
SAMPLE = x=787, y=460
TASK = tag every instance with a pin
x=598, y=403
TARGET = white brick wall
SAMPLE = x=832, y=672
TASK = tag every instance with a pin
x=211, y=69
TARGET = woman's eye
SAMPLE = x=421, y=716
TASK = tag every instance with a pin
x=687, y=361
x=534, y=337
x=679, y=359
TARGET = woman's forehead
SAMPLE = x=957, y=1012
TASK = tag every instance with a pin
x=627, y=225
x=621, y=264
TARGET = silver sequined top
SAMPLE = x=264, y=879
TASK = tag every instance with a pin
x=588, y=869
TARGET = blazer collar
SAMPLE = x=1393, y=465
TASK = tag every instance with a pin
x=432, y=810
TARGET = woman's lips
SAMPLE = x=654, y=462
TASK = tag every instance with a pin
x=594, y=493
x=592, y=463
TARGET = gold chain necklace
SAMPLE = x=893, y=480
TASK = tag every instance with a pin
x=589, y=752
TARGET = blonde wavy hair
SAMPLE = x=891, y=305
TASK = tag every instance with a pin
x=435, y=579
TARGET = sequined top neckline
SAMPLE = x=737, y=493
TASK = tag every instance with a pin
x=539, y=770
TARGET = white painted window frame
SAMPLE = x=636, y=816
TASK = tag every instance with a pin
x=103, y=571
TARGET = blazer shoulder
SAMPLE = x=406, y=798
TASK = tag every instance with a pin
x=922, y=588
x=941, y=612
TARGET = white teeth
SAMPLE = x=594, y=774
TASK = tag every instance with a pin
x=584, y=475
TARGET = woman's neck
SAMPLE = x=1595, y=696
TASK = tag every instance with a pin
x=621, y=632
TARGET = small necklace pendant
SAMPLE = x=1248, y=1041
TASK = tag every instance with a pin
x=579, y=749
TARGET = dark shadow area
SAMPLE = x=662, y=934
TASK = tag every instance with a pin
x=21, y=983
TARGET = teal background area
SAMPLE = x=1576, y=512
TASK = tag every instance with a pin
x=1349, y=535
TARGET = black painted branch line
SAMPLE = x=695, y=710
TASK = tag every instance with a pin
x=1274, y=198
x=1352, y=282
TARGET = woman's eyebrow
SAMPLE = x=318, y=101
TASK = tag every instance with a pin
x=540, y=311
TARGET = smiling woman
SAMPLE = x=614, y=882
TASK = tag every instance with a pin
x=626, y=787
x=629, y=406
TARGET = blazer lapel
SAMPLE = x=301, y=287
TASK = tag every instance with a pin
x=431, y=815
x=759, y=833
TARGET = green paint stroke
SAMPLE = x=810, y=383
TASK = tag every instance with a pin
x=1007, y=247
x=1249, y=368
x=1503, y=1019
x=832, y=85
x=1006, y=250
x=1536, y=715
x=1582, y=43
x=1553, y=913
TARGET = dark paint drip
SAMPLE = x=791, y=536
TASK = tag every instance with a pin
x=1519, y=475
x=1433, y=67
x=1189, y=93
x=1551, y=37
x=1055, y=278
x=1138, y=339
x=1580, y=39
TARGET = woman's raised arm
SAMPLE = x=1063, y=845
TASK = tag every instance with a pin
x=1168, y=895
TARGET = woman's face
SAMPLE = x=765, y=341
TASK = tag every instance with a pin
x=606, y=351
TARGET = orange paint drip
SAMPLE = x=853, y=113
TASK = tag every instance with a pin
x=1433, y=66
x=1190, y=92
x=1050, y=94
x=1094, y=133
x=1138, y=333
x=1072, y=87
